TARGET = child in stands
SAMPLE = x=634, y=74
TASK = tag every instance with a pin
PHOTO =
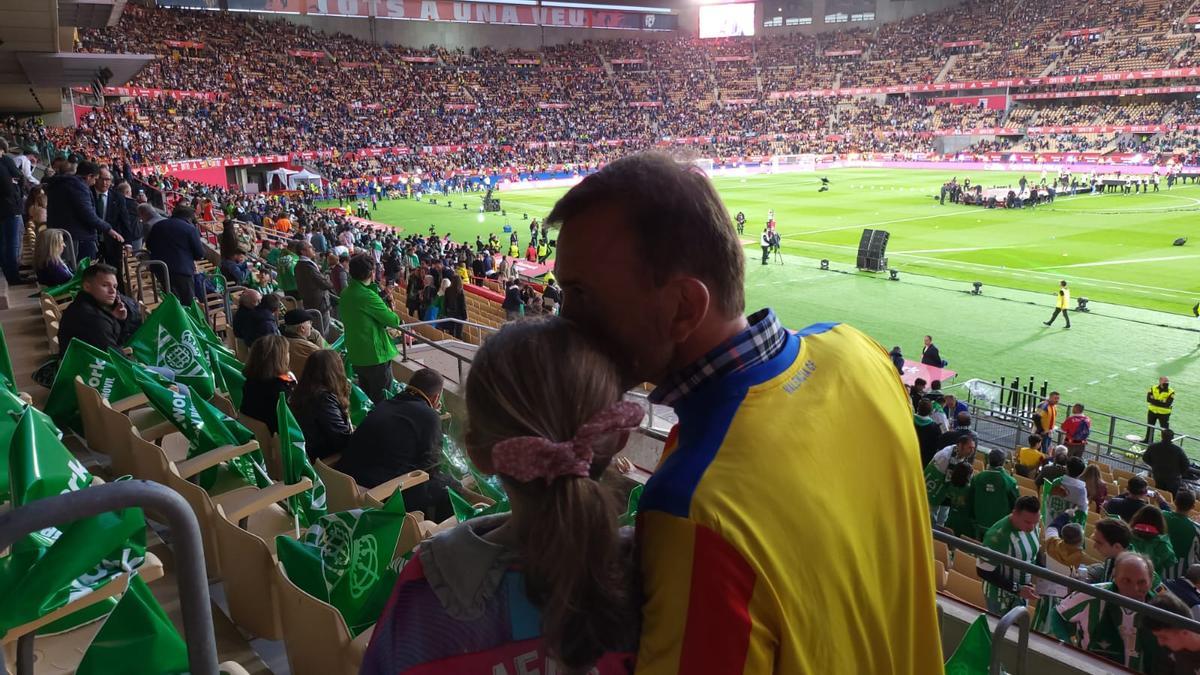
x=552, y=580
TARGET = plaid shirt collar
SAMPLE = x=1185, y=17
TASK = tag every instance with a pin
x=760, y=342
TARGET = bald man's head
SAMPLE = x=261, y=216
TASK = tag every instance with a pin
x=1132, y=574
x=250, y=298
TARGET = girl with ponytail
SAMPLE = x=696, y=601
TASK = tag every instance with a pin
x=553, y=579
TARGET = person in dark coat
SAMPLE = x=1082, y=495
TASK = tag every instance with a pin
x=400, y=435
x=70, y=207
x=176, y=242
x=928, y=431
x=321, y=403
x=267, y=375
x=11, y=217
x=256, y=316
x=313, y=285
x=1168, y=462
x=897, y=359
x=99, y=315
x=930, y=355
x=110, y=205
x=455, y=307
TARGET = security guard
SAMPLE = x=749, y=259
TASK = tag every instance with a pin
x=1062, y=300
x=1159, y=401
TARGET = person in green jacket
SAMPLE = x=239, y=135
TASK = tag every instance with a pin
x=1150, y=538
x=993, y=493
x=285, y=267
x=366, y=318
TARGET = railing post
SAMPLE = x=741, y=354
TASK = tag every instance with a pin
x=1019, y=616
x=1112, y=430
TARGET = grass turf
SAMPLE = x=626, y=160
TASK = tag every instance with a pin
x=1114, y=249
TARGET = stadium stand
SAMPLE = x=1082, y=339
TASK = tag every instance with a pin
x=452, y=116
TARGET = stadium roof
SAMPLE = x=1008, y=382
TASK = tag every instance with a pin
x=36, y=59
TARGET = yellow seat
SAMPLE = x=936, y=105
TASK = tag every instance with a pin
x=342, y=493
x=939, y=574
x=966, y=589
x=964, y=563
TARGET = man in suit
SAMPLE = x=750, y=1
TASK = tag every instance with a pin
x=930, y=355
x=176, y=242
x=110, y=205
x=313, y=285
x=71, y=206
x=11, y=221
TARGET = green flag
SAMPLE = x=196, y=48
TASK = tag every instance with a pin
x=307, y=506
x=346, y=559
x=169, y=338
x=6, y=371
x=631, y=506
x=138, y=638
x=464, y=511
x=97, y=371
x=205, y=427
x=11, y=411
x=227, y=374
x=72, y=286
x=360, y=405
x=49, y=568
x=973, y=656
x=204, y=330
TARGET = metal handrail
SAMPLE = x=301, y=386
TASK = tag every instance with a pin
x=1097, y=415
x=980, y=551
x=165, y=279
x=185, y=534
x=1020, y=617
x=406, y=329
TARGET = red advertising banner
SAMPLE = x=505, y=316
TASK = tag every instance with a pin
x=962, y=43
x=738, y=101
x=979, y=131
x=1152, y=74
x=1138, y=91
x=1192, y=20
x=645, y=104
x=1082, y=31
x=553, y=106
x=419, y=59
x=183, y=44
x=843, y=52
x=460, y=106
x=306, y=53
x=148, y=92
x=626, y=62
x=1114, y=129
x=721, y=59
x=987, y=102
x=523, y=62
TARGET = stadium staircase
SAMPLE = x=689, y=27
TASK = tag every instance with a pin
x=941, y=76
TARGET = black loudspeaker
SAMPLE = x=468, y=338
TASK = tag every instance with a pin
x=1180, y=241
x=871, y=250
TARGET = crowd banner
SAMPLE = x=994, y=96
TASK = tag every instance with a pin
x=183, y=44
x=306, y=53
x=1080, y=32
x=448, y=10
x=152, y=92
x=1137, y=91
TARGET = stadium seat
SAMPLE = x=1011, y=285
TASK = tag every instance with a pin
x=965, y=588
x=1025, y=482
x=343, y=493
x=941, y=552
x=314, y=633
x=268, y=442
x=939, y=570
x=257, y=508
x=251, y=587
x=1027, y=491
x=964, y=563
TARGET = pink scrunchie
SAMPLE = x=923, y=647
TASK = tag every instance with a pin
x=528, y=457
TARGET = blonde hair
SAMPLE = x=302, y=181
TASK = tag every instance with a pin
x=567, y=533
x=49, y=248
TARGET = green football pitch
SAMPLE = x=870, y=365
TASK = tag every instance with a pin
x=1114, y=249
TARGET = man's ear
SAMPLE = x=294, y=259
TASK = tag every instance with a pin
x=691, y=307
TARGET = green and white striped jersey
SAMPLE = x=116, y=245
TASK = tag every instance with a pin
x=1004, y=538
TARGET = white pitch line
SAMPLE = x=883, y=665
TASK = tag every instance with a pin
x=1127, y=261
x=1093, y=382
x=1114, y=375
